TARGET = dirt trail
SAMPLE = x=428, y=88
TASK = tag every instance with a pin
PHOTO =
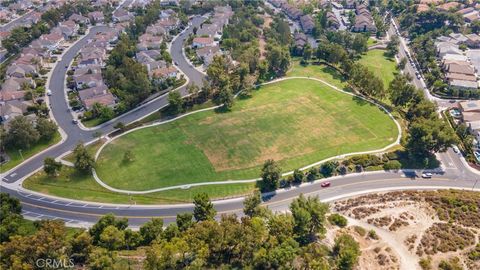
x=407, y=260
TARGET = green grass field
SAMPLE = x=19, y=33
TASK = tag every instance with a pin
x=70, y=184
x=385, y=68
x=16, y=157
x=326, y=73
x=295, y=122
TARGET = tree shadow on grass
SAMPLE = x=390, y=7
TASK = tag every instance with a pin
x=360, y=101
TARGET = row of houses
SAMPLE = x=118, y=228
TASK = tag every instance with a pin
x=206, y=41
x=460, y=65
x=21, y=73
x=87, y=74
x=17, y=9
x=149, y=44
x=469, y=11
x=306, y=21
x=363, y=19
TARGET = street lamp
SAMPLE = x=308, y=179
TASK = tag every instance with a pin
x=20, y=152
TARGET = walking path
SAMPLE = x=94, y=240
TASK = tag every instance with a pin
x=185, y=186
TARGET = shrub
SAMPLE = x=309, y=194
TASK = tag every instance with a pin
x=372, y=234
x=425, y=263
x=360, y=230
x=392, y=165
x=337, y=219
x=328, y=168
x=312, y=174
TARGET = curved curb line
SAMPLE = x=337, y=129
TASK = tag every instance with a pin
x=186, y=186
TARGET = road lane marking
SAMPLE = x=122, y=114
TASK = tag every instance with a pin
x=231, y=210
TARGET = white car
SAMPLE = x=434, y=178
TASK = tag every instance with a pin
x=455, y=149
x=427, y=175
x=49, y=93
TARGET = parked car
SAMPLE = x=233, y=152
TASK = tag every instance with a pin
x=74, y=121
x=325, y=184
x=49, y=92
x=427, y=175
x=455, y=149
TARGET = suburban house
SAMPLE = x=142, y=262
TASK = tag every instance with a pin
x=147, y=56
x=363, y=20
x=21, y=70
x=79, y=19
x=121, y=15
x=88, y=80
x=307, y=24
x=51, y=41
x=149, y=41
x=207, y=53
x=106, y=99
x=200, y=42
x=169, y=24
x=162, y=74
x=471, y=114
x=96, y=17
x=332, y=20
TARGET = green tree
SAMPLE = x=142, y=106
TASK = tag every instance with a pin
x=84, y=162
x=10, y=218
x=51, y=167
x=401, y=92
x=151, y=230
x=309, y=218
x=184, y=221
x=270, y=175
x=427, y=136
x=46, y=128
x=346, y=252
x=81, y=245
x=112, y=238
x=392, y=46
x=175, y=102
x=298, y=176
x=251, y=205
x=204, y=209
x=105, y=221
x=225, y=97
x=278, y=58
x=21, y=133
x=101, y=259
x=328, y=168
x=48, y=242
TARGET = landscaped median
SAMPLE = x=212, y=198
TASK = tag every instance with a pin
x=296, y=122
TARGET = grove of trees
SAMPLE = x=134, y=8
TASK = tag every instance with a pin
x=259, y=240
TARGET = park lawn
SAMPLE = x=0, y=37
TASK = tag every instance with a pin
x=16, y=158
x=371, y=42
x=91, y=149
x=295, y=122
x=322, y=72
x=384, y=67
x=72, y=185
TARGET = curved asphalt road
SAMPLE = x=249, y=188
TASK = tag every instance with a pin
x=77, y=213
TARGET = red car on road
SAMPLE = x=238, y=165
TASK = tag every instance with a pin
x=325, y=184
